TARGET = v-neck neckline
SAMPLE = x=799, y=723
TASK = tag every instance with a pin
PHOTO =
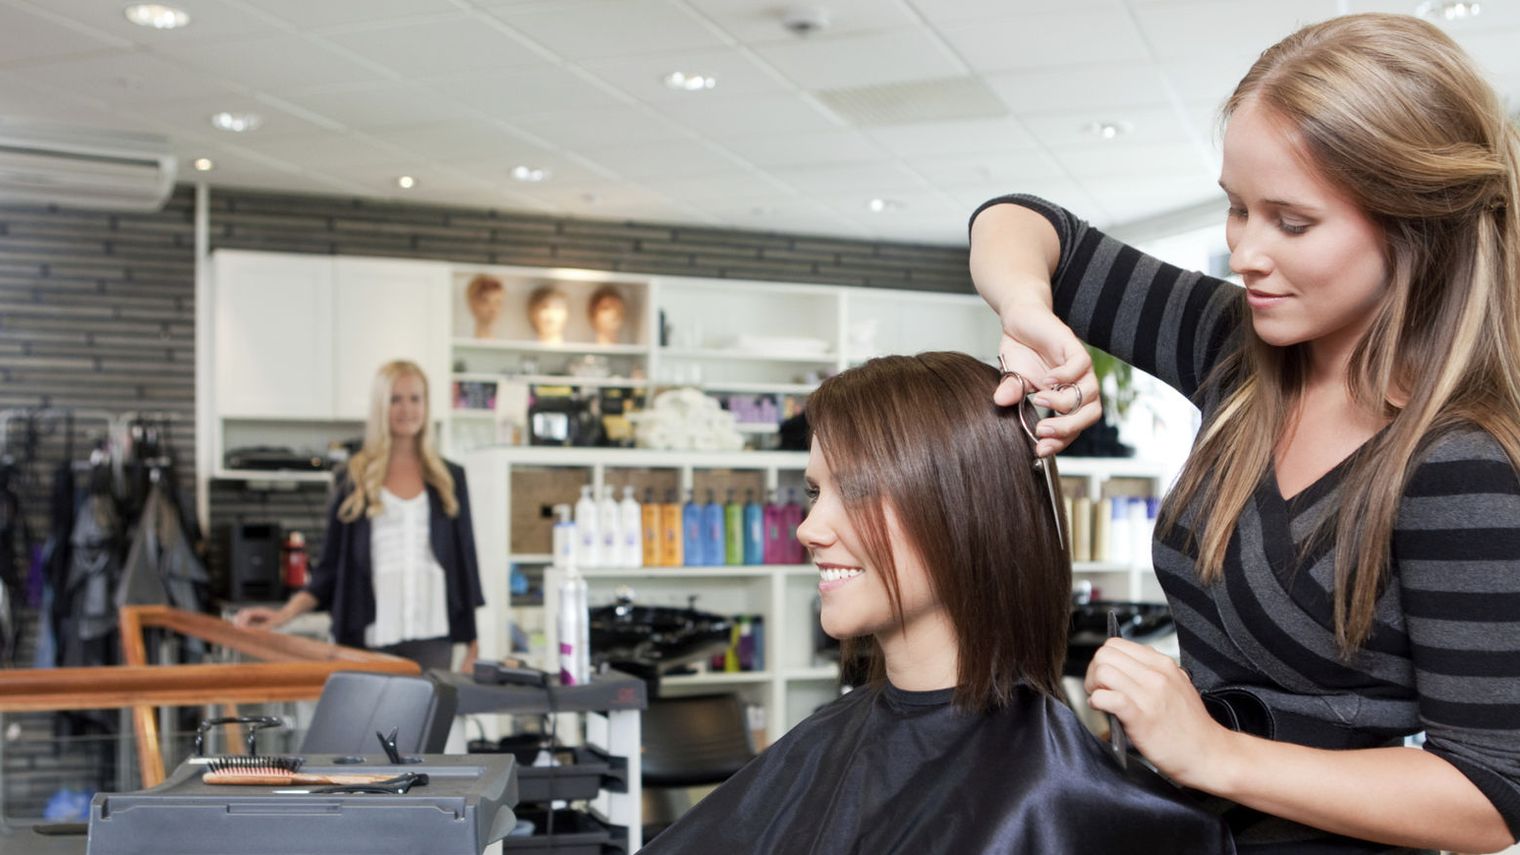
x=1317, y=488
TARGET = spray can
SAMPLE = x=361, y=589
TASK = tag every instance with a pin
x=574, y=629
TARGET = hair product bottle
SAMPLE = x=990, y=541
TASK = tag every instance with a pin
x=631, y=529
x=791, y=517
x=564, y=537
x=733, y=530
x=573, y=628
x=754, y=530
x=775, y=540
x=691, y=532
x=610, y=526
x=588, y=539
x=671, y=541
x=650, y=512
x=712, y=530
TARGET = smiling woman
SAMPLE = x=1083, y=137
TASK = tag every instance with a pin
x=937, y=548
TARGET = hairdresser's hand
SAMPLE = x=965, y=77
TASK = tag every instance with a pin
x=1057, y=368
x=1162, y=713
x=257, y=617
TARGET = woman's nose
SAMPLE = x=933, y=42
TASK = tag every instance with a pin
x=1247, y=256
x=812, y=532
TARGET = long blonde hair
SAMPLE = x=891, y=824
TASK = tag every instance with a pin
x=367, y=469
x=1396, y=116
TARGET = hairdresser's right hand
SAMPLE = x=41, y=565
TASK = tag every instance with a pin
x=257, y=617
x=1048, y=355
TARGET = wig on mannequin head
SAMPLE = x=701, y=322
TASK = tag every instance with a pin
x=367, y=469
x=1392, y=113
x=921, y=435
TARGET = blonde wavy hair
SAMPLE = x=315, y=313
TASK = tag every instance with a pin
x=1397, y=117
x=367, y=469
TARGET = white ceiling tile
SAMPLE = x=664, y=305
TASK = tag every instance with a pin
x=1110, y=161
x=807, y=148
x=1146, y=125
x=961, y=11
x=945, y=138
x=736, y=71
x=193, y=115
x=733, y=184
x=437, y=47
x=1210, y=79
x=497, y=169
x=378, y=105
x=209, y=20
x=611, y=126
x=753, y=116
x=1497, y=53
x=274, y=63
x=308, y=15
x=987, y=170
x=601, y=28
x=460, y=140
x=1240, y=29
x=122, y=76
x=1060, y=191
x=23, y=98
x=869, y=179
x=907, y=205
x=664, y=160
x=862, y=59
x=593, y=201
x=1133, y=197
x=1094, y=87
x=760, y=21
x=28, y=36
x=509, y=94
x=1048, y=40
x=321, y=150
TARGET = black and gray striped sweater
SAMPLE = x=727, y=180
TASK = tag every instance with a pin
x=1444, y=657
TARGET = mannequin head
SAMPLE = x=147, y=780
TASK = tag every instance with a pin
x=606, y=311
x=927, y=486
x=547, y=312
x=485, y=295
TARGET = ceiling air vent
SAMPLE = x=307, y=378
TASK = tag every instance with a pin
x=942, y=100
x=84, y=168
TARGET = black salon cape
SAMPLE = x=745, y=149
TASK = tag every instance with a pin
x=882, y=770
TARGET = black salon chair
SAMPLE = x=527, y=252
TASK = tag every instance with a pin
x=694, y=741
x=356, y=704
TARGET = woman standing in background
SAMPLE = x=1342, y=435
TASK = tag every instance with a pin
x=1342, y=549
x=398, y=571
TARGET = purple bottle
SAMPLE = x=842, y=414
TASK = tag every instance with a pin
x=775, y=536
x=791, y=517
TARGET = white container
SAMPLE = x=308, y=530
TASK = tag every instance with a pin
x=631, y=526
x=573, y=629
x=588, y=538
x=1118, y=531
x=609, y=521
x=564, y=537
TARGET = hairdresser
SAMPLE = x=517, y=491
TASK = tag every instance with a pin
x=398, y=570
x=1342, y=549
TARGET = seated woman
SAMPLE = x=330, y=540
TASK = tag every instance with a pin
x=960, y=741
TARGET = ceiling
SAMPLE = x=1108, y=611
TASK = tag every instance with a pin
x=934, y=105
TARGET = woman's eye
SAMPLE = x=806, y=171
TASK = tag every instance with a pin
x=1293, y=228
x=1237, y=213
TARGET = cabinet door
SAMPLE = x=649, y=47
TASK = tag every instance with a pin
x=387, y=310
x=273, y=346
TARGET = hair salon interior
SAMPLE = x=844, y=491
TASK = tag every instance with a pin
x=571, y=269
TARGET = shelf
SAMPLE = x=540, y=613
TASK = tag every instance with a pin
x=746, y=388
x=540, y=347
x=1111, y=467
x=640, y=458
x=763, y=430
x=822, y=672
x=1101, y=567
x=746, y=355
x=568, y=380
x=530, y=558
x=473, y=415
x=735, y=571
x=716, y=678
x=272, y=476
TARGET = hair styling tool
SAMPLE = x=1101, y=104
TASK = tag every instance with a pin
x=274, y=775
x=254, y=725
x=1117, y=739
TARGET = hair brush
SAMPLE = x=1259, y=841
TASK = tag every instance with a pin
x=276, y=772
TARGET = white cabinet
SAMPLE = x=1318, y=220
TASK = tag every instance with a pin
x=273, y=319
x=385, y=310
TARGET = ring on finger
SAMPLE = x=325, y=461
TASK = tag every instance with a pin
x=1061, y=387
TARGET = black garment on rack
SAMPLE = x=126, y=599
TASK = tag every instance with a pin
x=87, y=635
x=883, y=771
x=55, y=563
x=161, y=567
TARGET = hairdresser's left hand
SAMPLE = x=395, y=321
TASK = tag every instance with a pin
x=1162, y=713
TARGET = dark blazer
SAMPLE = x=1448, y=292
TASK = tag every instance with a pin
x=342, y=580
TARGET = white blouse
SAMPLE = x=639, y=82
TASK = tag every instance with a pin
x=411, y=600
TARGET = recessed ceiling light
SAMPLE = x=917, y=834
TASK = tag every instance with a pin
x=884, y=206
x=237, y=123
x=406, y=182
x=530, y=174
x=203, y=164
x=157, y=16
x=1448, y=10
x=1108, y=130
x=683, y=82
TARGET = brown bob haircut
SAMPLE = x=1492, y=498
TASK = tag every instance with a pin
x=920, y=434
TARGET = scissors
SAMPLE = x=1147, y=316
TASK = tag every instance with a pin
x=1043, y=466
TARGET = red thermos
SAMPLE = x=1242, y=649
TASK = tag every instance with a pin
x=295, y=560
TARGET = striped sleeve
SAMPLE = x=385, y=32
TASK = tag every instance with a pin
x=1168, y=322
x=1456, y=552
